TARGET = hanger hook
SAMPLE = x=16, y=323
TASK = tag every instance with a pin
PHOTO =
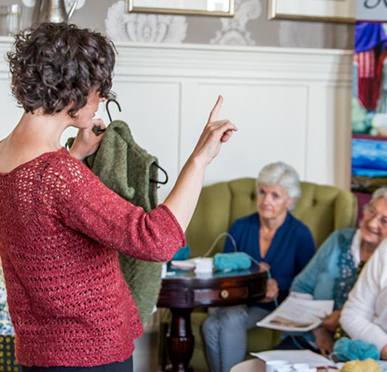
x=165, y=174
x=107, y=107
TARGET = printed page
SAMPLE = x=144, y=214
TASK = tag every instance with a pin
x=295, y=356
x=297, y=315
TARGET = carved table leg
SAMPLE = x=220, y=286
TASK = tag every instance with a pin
x=180, y=341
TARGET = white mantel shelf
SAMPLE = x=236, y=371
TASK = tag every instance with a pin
x=213, y=61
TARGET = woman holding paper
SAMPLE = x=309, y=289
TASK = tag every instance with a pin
x=333, y=271
x=273, y=237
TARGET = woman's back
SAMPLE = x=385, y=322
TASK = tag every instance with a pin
x=58, y=247
x=64, y=289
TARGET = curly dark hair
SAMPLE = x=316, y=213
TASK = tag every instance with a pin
x=55, y=65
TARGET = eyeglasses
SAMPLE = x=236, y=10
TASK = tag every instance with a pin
x=371, y=213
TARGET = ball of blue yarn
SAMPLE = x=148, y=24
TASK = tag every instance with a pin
x=346, y=349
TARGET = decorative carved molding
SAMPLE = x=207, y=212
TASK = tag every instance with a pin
x=147, y=28
x=234, y=30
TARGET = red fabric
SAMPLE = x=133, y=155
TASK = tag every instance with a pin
x=366, y=61
x=369, y=77
x=60, y=229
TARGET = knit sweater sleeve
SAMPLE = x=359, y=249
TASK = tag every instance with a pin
x=83, y=203
x=359, y=315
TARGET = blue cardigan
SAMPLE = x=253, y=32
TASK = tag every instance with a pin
x=291, y=248
x=331, y=273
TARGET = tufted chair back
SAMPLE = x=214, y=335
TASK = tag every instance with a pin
x=323, y=209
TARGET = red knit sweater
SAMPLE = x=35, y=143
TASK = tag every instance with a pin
x=60, y=229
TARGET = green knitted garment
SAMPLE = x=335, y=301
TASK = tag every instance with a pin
x=126, y=168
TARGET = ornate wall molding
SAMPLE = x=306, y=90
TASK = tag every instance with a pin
x=147, y=28
x=233, y=31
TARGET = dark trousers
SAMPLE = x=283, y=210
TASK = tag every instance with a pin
x=126, y=366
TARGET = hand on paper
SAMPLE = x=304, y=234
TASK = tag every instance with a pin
x=324, y=340
x=214, y=134
x=271, y=291
x=86, y=142
x=331, y=322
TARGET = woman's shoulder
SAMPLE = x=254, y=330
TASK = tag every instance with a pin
x=342, y=238
x=347, y=232
x=338, y=241
x=61, y=168
x=62, y=163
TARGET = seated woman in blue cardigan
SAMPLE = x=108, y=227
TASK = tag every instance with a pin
x=333, y=271
x=271, y=236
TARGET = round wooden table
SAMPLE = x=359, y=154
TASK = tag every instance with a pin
x=182, y=291
x=252, y=365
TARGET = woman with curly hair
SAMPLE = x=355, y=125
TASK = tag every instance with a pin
x=60, y=227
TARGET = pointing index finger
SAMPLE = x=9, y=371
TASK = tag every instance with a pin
x=214, y=112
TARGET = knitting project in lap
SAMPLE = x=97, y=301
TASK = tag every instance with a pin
x=60, y=228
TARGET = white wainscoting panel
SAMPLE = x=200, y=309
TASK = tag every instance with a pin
x=289, y=104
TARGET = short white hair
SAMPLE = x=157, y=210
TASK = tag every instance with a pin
x=376, y=195
x=284, y=175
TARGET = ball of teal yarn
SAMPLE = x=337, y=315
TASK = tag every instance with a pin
x=232, y=261
x=182, y=254
x=346, y=349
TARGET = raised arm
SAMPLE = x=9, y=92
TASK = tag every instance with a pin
x=183, y=198
x=89, y=207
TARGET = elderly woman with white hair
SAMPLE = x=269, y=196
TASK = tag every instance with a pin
x=271, y=236
x=332, y=273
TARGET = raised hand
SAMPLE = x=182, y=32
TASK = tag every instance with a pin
x=214, y=134
x=86, y=142
x=184, y=196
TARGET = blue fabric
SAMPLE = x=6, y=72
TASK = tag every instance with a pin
x=322, y=277
x=346, y=349
x=291, y=249
x=182, y=254
x=232, y=261
x=368, y=36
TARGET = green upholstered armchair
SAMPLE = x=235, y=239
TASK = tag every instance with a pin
x=323, y=209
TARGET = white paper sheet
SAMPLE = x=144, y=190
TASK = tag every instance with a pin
x=297, y=315
x=295, y=356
